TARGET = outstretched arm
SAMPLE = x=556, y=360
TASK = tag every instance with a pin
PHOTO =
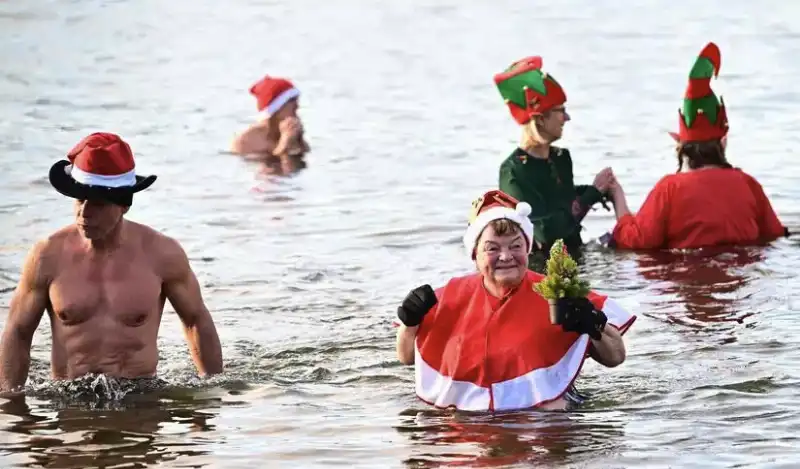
x=647, y=229
x=28, y=304
x=183, y=292
x=588, y=195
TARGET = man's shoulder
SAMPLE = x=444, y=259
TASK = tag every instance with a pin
x=43, y=256
x=56, y=241
x=164, y=252
x=153, y=240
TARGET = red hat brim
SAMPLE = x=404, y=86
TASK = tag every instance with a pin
x=66, y=185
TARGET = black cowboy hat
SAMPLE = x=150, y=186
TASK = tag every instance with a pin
x=100, y=167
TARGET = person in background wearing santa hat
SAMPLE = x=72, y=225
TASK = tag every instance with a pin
x=485, y=341
x=277, y=137
x=103, y=280
x=712, y=203
x=537, y=172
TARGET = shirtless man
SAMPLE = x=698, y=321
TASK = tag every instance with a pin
x=276, y=138
x=103, y=280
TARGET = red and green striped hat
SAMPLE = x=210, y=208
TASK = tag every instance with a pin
x=703, y=117
x=527, y=90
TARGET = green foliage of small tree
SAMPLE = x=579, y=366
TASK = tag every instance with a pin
x=562, y=279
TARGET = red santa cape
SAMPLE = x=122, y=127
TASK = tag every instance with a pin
x=476, y=352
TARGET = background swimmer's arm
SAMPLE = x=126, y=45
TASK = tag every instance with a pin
x=27, y=307
x=610, y=349
x=183, y=291
x=405, y=343
x=290, y=141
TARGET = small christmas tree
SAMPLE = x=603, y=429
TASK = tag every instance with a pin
x=561, y=280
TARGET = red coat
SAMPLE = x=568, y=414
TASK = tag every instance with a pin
x=707, y=207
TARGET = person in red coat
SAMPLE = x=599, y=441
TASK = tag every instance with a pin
x=485, y=341
x=711, y=203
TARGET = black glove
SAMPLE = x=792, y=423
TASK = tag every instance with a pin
x=416, y=305
x=579, y=315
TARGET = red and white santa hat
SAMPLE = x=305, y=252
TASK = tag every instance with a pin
x=496, y=205
x=272, y=93
x=101, y=163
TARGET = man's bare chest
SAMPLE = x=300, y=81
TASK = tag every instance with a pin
x=126, y=289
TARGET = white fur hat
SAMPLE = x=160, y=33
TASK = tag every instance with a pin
x=496, y=205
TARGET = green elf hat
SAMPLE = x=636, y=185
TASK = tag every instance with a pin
x=703, y=117
x=527, y=90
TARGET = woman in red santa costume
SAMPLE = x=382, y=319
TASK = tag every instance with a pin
x=711, y=203
x=276, y=138
x=485, y=342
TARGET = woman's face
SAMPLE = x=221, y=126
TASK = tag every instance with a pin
x=502, y=259
x=550, y=126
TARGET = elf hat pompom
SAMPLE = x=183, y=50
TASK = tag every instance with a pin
x=496, y=205
x=99, y=167
x=527, y=90
x=703, y=116
x=272, y=93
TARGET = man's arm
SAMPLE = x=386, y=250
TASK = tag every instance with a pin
x=610, y=349
x=183, y=292
x=28, y=304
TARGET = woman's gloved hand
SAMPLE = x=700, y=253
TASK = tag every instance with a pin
x=579, y=315
x=416, y=305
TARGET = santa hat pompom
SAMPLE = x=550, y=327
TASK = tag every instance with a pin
x=524, y=209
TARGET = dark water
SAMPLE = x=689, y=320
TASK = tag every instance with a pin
x=303, y=274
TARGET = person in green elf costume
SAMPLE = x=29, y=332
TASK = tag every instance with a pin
x=538, y=172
